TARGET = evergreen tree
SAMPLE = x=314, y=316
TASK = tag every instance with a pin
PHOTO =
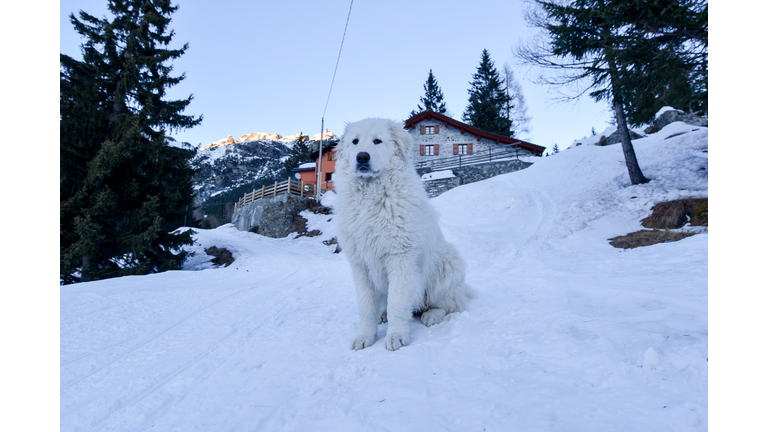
x=432, y=99
x=300, y=153
x=666, y=63
x=488, y=100
x=555, y=149
x=639, y=54
x=123, y=186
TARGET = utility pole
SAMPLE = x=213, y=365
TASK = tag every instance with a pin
x=320, y=162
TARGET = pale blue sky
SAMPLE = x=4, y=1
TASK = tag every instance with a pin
x=267, y=66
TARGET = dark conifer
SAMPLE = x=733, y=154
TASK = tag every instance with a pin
x=432, y=99
x=488, y=100
x=638, y=54
x=124, y=187
x=300, y=153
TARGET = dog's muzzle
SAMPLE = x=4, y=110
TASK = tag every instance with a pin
x=363, y=162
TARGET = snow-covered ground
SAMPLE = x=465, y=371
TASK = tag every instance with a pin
x=567, y=333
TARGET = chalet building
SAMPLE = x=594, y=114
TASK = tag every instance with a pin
x=308, y=172
x=436, y=135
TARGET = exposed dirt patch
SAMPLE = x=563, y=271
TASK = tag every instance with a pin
x=313, y=233
x=318, y=209
x=647, y=238
x=299, y=225
x=675, y=214
x=333, y=242
x=221, y=256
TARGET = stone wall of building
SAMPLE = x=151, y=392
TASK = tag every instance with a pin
x=272, y=217
x=471, y=174
x=447, y=136
x=440, y=186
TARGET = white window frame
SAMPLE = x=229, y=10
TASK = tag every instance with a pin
x=463, y=149
x=429, y=150
x=429, y=130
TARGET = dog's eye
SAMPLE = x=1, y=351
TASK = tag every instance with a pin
x=377, y=141
x=354, y=141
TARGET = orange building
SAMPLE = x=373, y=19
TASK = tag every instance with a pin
x=308, y=172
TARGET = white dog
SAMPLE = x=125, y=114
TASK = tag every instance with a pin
x=401, y=263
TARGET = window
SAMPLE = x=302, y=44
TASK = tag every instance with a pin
x=328, y=176
x=429, y=150
x=430, y=130
x=331, y=156
x=462, y=149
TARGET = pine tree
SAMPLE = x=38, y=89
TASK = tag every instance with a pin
x=300, y=153
x=666, y=63
x=124, y=188
x=637, y=54
x=432, y=99
x=488, y=100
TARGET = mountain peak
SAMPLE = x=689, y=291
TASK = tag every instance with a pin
x=264, y=136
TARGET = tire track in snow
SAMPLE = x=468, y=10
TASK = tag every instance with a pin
x=244, y=331
x=152, y=338
x=159, y=334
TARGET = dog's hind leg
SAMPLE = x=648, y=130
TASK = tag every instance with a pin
x=433, y=316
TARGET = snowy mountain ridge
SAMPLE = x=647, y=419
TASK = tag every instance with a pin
x=224, y=168
x=261, y=136
x=567, y=333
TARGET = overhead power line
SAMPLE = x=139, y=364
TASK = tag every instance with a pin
x=338, y=58
x=322, y=120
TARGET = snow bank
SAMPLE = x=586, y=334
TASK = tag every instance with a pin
x=437, y=175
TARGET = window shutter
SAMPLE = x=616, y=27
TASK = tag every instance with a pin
x=469, y=148
x=437, y=129
x=421, y=148
x=422, y=130
x=455, y=149
x=437, y=149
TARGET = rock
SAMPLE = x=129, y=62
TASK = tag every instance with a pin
x=614, y=137
x=673, y=115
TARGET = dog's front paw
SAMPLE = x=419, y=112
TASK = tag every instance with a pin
x=395, y=341
x=363, y=341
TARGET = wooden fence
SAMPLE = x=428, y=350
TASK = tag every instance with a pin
x=295, y=187
x=469, y=159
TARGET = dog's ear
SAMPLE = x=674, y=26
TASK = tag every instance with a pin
x=402, y=138
x=342, y=142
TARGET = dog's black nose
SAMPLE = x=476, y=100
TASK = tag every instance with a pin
x=363, y=157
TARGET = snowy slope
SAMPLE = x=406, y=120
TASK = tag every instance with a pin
x=567, y=334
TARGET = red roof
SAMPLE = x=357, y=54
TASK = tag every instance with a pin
x=479, y=133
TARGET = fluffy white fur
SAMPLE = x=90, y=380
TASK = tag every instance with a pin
x=400, y=260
